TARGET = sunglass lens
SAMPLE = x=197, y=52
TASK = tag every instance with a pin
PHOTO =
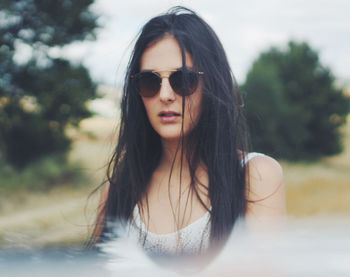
x=148, y=84
x=184, y=82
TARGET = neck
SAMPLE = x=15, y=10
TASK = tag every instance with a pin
x=171, y=157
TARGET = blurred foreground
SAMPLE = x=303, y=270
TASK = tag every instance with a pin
x=306, y=248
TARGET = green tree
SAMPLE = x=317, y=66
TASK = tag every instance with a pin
x=40, y=97
x=292, y=105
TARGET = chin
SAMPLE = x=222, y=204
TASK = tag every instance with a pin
x=172, y=132
x=170, y=136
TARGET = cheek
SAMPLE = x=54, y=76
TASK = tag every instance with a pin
x=194, y=107
x=148, y=106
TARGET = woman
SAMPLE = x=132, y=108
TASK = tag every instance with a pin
x=181, y=175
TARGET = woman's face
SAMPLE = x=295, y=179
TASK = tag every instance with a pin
x=164, y=110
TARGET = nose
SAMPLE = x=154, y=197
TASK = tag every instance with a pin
x=166, y=92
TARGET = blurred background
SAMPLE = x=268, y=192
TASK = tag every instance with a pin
x=61, y=71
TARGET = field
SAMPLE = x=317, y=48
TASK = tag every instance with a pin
x=321, y=188
x=63, y=215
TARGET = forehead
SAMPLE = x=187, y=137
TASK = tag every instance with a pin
x=165, y=54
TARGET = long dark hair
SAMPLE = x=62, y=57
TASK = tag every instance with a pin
x=216, y=141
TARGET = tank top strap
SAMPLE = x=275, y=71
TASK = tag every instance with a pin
x=250, y=156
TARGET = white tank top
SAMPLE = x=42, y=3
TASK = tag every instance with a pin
x=192, y=239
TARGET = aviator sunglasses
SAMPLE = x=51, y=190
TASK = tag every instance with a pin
x=184, y=82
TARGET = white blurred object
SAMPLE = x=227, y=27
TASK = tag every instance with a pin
x=124, y=256
x=312, y=247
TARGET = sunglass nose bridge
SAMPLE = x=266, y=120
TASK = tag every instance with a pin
x=164, y=73
x=164, y=77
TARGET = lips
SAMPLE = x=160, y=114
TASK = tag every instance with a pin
x=169, y=116
x=168, y=113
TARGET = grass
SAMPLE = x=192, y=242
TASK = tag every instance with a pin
x=321, y=188
x=62, y=213
x=317, y=189
x=40, y=175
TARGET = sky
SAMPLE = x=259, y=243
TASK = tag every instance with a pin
x=245, y=28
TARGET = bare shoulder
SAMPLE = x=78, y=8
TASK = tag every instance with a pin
x=264, y=175
x=101, y=211
x=104, y=194
x=265, y=190
x=103, y=200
